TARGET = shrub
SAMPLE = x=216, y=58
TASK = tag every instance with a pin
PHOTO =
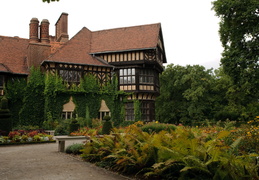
x=82, y=122
x=157, y=127
x=61, y=129
x=50, y=124
x=5, y=120
x=36, y=138
x=28, y=128
x=185, y=153
x=107, y=127
x=5, y=126
x=73, y=126
x=75, y=149
x=107, y=118
x=96, y=123
x=126, y=123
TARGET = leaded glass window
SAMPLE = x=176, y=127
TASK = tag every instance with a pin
x=127, y=76
x=146, y=76
x=129, y=111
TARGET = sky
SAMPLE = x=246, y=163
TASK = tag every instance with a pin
x=190, y=27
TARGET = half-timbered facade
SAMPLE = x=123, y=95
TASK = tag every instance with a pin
x=135, y=54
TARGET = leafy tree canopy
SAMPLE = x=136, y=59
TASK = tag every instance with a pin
x=239, y=34
x=48, y=1
x=185, y=94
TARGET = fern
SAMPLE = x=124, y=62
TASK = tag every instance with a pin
x=235, y=144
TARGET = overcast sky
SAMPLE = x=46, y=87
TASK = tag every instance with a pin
x=190, y=27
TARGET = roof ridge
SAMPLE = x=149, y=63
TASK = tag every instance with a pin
x=6, y=67
x=101, y=60
x=68, y=42
x=127, y=27
x=13, y=37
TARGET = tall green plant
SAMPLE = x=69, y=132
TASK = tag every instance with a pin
x=5, y=120
x=15, y=90
x=32, y=112
x=87, y=117
x=89, y=83
x=53, y=107
x=137, y=111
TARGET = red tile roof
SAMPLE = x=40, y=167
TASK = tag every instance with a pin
x=76, y=50
x=85, y=42
x=13, y=52
x=3, y=68
x=128, y=38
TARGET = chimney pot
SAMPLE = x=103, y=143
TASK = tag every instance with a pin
x=34, y=30
x=44, y=31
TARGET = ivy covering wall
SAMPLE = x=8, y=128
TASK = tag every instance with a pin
x=43, y=96
x=32, y=111
x=15, y=93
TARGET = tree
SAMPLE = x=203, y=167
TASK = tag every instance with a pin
x=48, y=1
x=239, y=34
x=186, y=95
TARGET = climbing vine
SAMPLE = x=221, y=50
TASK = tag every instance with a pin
x=15, y=90
x=40, y=100
x=32, y=112
x=54, y=98
x=137, y=111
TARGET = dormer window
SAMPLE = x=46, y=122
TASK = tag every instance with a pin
x=70, y=76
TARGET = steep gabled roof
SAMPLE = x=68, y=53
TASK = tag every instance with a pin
x=128, y=38
x=76, y=51
x=13, y=53
x=80, y=49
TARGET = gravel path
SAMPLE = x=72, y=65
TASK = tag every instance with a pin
x=44, y=162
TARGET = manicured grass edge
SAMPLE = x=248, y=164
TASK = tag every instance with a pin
x=24, y=143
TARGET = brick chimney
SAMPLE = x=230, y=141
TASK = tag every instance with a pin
x=44, y=31
x=38, y=49
x=34, y=30
x=61, y=28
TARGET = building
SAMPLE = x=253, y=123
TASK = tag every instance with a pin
x=136, y=54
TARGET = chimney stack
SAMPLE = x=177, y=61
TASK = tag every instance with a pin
x=38, y=49
x=61, y=28
x=34, y=30
x=44, y=31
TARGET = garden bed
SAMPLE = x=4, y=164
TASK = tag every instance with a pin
x=26, y=137
x=207, y=152
x=24, y=143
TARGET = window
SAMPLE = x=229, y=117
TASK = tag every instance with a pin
x=147, y=110
x=102, y=114
x=70, y=76
x=146, y=76
x=1, y=85
x=127, y=76
x=129, y=111
x=1, y=81
x=67, y=115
